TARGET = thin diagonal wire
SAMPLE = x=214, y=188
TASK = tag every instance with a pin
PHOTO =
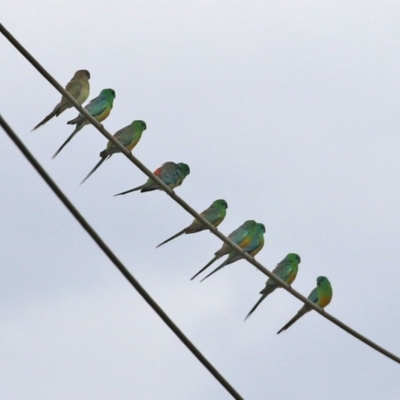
x=115, y=260
x=184, y=205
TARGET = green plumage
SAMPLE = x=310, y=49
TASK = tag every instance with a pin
x=286, y=270
x=214, y=214
x=321, y=296
x=256, y=244
x=170, y=173
x=99, y=108
x=241, y=236
x=128, y=136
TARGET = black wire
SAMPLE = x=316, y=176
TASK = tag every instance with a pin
x=186, y=206
x=115, y=260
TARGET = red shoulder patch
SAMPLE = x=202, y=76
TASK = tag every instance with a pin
x=157, y=171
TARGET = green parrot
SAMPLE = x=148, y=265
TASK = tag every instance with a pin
x=170, y=173
x=214, y=214
x=241, y=236
x=256, y=244
x=128, y=136
x=321, y=296
x=78, y=87
x=99, y=108
x=286, y=270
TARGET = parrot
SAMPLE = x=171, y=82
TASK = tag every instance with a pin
x=286, y=270
x=241, y=236
x=99, y=108
x=170, y=173
x=214, y=214
x=78, y=87
x=321, y=296
x=256, y=244
x=128, y=136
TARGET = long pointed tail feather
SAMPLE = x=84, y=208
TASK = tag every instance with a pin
x=77, y=129
x=205, y=267
x=224, y=264
x=150, y=188
x=47, y=119
x=77, y=120
x=129, y=191
x=173, y=237
x=256, y=305
x=302, y=311
x=94, y=169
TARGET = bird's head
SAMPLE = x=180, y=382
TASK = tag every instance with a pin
x=293, y=257
x=139, y=125
x=108, y=94
x=322, y=280
x=82, y=73
x=261, y=227
x=220, y=203
x=184, y=169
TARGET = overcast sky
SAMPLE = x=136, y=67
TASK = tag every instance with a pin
x=289, y=111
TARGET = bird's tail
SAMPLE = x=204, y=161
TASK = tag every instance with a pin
x=94, y=169
x=264, y=293
x=77, y=120
x=225, y=263
x=213, y=260
x=195, y=227
x=301, y=312
x=48, y=118
x=77, y=129
x=128, y=191
x=173, y=237
x=268, y=290
x=150, y=186
x=105, y=154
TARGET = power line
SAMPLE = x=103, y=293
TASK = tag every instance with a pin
x=184, y=205
x=115, y=260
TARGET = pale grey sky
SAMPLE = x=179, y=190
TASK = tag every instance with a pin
x=289, y=111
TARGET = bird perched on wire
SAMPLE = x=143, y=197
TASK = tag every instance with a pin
x=255, y=245
x=170, y=173
x=321, y=296
x=99, y=108
x=214, y=214
x=128, y=136
x=286, y=270
x=78, y=87
x=241, y=236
